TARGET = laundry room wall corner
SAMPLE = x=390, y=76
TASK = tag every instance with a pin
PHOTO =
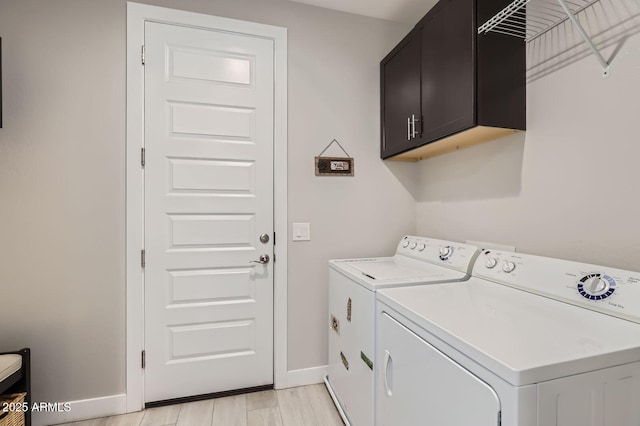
x=533, y=190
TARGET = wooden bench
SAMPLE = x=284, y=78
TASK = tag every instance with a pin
x=15, y=376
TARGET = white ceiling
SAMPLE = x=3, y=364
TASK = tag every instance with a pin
x=404, y=11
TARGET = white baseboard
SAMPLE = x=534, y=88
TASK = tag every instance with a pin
x=81, y=410
x=306, y=376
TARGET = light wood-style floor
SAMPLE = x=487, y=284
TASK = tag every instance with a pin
x=302, y=406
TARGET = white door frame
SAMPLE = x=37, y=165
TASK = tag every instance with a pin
x=137, y=14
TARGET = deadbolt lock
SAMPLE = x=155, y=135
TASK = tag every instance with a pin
x=264, y=238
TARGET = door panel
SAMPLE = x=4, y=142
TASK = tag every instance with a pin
x=448, y=69
x=212, y=66
x=208, y=197
x=419, y=385
x=400, y=75
x=212, y=120
x=213, y=176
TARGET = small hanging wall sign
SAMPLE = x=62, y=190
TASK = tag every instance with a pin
x=334, y=166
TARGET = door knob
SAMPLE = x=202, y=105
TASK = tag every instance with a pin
x=263, y=259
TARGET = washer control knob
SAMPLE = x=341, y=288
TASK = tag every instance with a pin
x=405, y=244
x=508, y=266
x=491, y=262
x=421, y=247
x=413, y=246
x=445, y=252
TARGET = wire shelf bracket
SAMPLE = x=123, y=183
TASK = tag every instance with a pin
x=529, y=19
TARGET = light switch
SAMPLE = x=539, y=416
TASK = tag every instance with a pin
x=301, y=231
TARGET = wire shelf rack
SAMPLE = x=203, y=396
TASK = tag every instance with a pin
x=529, y=19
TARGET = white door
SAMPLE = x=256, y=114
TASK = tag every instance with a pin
x=208, y=186
x=419, y=385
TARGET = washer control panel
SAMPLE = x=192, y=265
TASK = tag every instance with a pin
x=446, y=252
x=491, y=262
x=451, y=254
x=608, y=290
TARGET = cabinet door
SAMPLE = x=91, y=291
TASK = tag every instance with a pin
x=448, y=69
x=418, y=385
x=400, y=95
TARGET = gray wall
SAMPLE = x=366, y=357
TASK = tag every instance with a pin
x=569, y=186
x=62, y=177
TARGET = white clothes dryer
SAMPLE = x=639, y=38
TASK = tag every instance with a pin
x=352, y=287
x=527, y=341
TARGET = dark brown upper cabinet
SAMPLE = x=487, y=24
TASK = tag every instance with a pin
x=400, y=88
x=445, y=87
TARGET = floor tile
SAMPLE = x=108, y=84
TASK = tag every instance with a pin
x=264, y=417
x=198, y=413
x=263, y=399
x=323, y=406
x=295, y=407
x=161, y=416
x=131, y=419
x=301, y=406
x=230, y=411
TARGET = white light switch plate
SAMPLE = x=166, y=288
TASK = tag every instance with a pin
x=301, y=231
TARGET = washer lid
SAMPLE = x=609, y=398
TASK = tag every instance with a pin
x=384, y=272
x=393, y=270
x=521, y=337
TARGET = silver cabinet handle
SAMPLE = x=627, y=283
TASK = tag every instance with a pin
x=413, y=125
x=408, y=128
x=263, y=259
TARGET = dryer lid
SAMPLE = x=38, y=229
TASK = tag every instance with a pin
x=522, y=337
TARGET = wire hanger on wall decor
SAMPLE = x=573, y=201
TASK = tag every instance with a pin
x=334, y=166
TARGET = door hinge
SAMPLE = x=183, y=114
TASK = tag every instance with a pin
x=142, y=260
x=274, y=238
x=499, y=418
x=143, y=359
x=142, y=54
x=142, y=156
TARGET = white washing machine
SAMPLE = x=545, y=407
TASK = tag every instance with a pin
x=352, y=287
x=527, y=341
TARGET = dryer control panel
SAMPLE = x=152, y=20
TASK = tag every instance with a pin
x=608, y=290
x=451, y=254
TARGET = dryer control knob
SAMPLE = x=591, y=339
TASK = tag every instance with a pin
x=508, y=266
x=413, y=246
x=491, y=262
x=421, y=247
x=596, y=286
x=405, y=244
